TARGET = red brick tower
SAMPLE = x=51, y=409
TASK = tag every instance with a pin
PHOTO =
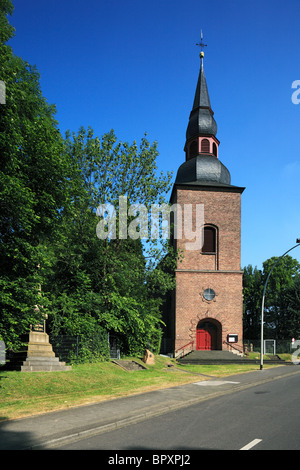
x=208, y=303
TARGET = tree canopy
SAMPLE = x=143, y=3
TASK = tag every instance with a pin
x=282, y=306
x=50, y=188
x=108, y=282
x=32, y=189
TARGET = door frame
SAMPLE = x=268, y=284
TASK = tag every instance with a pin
x=208, y=335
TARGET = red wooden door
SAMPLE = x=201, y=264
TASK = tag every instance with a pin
x=204, y=339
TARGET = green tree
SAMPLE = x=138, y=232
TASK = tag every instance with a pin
x=280, y=285
x=32, y=186
x=116, y=283
x=252, y=291
x=50, y=188
x=292, y=324
x=282, y=308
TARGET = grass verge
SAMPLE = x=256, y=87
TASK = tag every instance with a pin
x=24, y=394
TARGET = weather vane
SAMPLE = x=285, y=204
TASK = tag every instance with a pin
x=201, y=44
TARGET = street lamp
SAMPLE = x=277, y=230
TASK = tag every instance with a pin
x=263, y=304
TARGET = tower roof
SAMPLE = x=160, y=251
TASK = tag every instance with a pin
x=201, y=95
x=201, y=121
x=202, y=165
x=203, y=169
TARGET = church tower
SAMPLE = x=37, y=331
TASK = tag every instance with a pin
x=208, y=302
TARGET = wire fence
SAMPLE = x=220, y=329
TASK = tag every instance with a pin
x=271, y=346
x=99, y=347
x=103, y=347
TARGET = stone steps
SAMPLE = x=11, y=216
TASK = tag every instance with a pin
x=37, y=364
x=38, y=350
x=44, y=364
x=129, y=365
x=220, y=357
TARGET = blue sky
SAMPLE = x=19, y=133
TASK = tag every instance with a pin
x=133, y=65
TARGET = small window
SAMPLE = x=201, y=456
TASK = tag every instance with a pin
x=193, y=150
x=214, y=149
x=209, y=245
x=205, y=146
x=209, y=294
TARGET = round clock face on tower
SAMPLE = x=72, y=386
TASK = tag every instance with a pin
x=209, y=294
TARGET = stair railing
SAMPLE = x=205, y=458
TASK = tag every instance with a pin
x=237, y=347
x=184, y=350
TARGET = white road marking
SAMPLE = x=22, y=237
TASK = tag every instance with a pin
x=251, y=444
x=215, y=382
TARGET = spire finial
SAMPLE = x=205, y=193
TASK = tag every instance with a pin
x=201, y=44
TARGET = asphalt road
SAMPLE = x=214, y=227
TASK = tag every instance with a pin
x=264, y=417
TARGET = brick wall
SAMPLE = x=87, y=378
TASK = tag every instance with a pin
x=220, y=272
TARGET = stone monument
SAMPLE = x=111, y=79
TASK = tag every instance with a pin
x=37, y=354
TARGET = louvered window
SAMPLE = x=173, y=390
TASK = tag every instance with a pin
x=205, y=146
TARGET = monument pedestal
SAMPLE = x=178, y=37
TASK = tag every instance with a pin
x=37, y=355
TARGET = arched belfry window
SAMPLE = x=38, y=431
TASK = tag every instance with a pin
x=215, y=150
x=210, y=240
x=193, y=150
x=205, y=146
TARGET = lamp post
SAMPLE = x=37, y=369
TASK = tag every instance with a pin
x=263, y=304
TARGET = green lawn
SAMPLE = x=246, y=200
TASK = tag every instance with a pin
x=26, y=393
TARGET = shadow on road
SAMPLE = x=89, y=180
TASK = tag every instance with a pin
x=14, y=440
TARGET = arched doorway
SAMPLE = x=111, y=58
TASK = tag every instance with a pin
x=208, y=335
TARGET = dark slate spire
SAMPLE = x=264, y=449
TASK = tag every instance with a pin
x=202, y=165
x=201, y=120
x=201, y=95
